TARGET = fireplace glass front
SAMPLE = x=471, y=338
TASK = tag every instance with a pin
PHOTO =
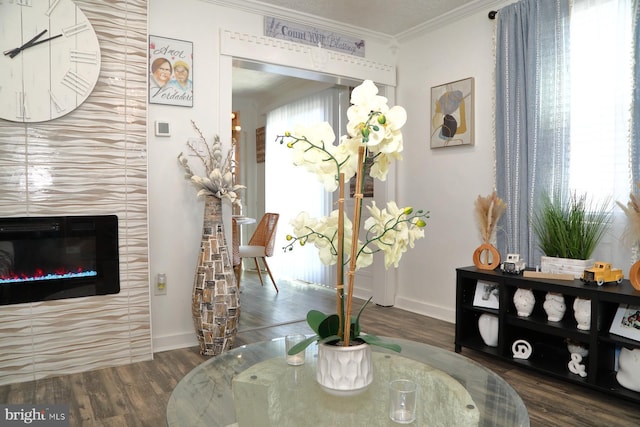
x=47, y=258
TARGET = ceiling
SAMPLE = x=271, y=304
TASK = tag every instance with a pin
x=387, y=17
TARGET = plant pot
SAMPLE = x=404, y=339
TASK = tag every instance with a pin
x=344, y=371
x=215, y=304
x=555, y=265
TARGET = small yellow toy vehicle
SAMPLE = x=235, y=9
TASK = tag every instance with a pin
x=601, y=272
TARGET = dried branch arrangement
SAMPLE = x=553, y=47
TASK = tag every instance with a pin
x=488, y=211
x=632, y=211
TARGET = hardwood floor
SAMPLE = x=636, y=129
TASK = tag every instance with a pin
x=136, y=394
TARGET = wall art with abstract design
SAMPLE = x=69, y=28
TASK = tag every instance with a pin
x=452, y=114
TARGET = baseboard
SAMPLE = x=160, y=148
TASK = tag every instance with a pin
x=173, y=342
x=437, y=312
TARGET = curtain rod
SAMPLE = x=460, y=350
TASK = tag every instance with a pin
x=492, y=14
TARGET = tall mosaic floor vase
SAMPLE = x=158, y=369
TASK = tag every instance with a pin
x=215, y=299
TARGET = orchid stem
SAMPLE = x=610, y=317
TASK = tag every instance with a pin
x=354, y=246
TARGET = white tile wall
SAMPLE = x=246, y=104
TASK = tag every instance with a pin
x=92, y=161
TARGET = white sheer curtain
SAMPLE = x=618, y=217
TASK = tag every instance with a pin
x=291, y=189
x=601, y=99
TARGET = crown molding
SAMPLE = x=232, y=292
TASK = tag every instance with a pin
x=448, y=18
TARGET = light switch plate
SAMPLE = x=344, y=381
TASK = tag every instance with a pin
x=163, y=129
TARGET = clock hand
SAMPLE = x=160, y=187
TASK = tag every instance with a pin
x=12, y=54
x=15, y=51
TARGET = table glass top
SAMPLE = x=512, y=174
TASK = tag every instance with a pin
x=204, y=397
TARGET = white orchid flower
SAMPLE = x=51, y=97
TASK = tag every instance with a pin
x=372, y=124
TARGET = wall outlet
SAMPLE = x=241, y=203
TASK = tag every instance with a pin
x=161, y=284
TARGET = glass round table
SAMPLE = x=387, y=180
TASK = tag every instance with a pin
x=252, y=386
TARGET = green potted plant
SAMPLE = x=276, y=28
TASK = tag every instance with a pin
x=569, y=228
x=374, y=135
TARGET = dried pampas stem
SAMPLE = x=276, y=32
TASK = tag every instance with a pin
x=632, y=211
x=488, y=211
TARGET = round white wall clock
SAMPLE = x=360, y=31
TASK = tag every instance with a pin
x=49, y=61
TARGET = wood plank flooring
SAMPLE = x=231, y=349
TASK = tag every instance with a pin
x=136, y=394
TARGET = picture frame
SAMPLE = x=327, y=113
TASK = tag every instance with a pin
x=487, y=295
x=626, y=322
x=170, y=71
x=260, y=144
x=452, y=114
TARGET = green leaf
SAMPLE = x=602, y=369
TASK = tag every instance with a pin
x=329, y=326
x=330, y=338
x=374, y=340
x=355, y=322
x=314, y=319
x=302, y=345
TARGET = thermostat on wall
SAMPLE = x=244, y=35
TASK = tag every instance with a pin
x=162, y=129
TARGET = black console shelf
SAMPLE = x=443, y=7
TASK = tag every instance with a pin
x=548, y=339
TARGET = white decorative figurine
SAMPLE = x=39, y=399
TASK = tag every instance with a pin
x=577, y=347
x=575, y=365
x=554, y=306
x=488, y=327
x=521, y=349
x=629, y=369
x=524, y=300
x=582, y=313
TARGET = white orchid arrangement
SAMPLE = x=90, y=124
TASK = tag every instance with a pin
x=218, y=179
x=373, y=132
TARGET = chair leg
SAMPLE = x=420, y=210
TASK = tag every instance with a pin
x=270, y=275
x=259, y=273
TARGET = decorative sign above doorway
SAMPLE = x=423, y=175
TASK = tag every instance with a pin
x=291, y=31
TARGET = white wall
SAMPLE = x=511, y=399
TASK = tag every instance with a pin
x=175, y=214
x=445, y=181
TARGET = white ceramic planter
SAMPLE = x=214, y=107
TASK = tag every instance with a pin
x=344, y=371
x=549, y=264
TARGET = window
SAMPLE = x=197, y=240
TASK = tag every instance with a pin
x=601, y=82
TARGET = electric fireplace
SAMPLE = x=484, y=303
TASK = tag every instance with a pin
x=48, y=258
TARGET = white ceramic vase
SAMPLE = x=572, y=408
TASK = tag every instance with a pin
x=524, y=300
x=344, y=371
x=582, y=313
x=488, y=327
x=554, y=306
x=628, y=375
